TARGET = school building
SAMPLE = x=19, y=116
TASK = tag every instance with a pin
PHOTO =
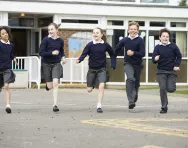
x=29, y=19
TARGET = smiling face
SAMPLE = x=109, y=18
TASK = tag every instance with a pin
x=4, y=35
x=97, y=34
x=133, y=30
x=164, y=38
x=52, y=31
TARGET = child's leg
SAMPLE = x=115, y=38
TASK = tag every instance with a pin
x=162, y=80
x=49, y=85
x=130, y=84
x=100, y=95
x=7, y=94
x=55, y=91
x=171, y=83
x=91, y=77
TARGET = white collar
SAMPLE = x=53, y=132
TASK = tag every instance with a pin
x=53, y=37
x=94, y=42
x=164, y=44
x=5, y=42
x=133, y=37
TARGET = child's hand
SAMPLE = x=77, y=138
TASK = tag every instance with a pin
x=15, y=61
x=77, y=61
x=55, y=52
x=157, y=58
x=176, y=69
x=63, y=60
x=130, y=52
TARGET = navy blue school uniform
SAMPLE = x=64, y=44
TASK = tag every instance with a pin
x=170, y=57
x=132, y=65
x=51, y=67
x=6, y=57
x=97, y=61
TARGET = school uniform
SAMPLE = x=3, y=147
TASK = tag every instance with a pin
x=97, y=61
x=51, y=67
x=170, y=57
x=6, y=57
x=132, y=65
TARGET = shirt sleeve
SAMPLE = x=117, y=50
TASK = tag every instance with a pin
x=62, y=49
x=43, y=47
x=119, y=46
x=112, y=56
x=154, y=54
x=11, y=54
x=178, y=56
x=84, y=53
x=141, y=52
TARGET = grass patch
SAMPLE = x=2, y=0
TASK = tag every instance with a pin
x=184, y=92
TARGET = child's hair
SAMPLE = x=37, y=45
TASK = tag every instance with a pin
x=164, y=30
x=55, y=25
x=8, y=30
x=134, y=23
x=102, y=32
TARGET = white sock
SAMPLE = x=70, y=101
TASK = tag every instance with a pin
x=55, y=94
x=99, y=105
x=8, y=105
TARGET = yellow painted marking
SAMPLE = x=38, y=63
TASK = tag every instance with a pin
x=151, y=146
x=133, y=124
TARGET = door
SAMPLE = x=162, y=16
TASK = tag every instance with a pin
x=35, y=41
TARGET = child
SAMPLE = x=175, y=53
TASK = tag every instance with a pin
x=134, y=52
x=52, y=53
x=96, y=50
x=168, y=57
x=6, y=56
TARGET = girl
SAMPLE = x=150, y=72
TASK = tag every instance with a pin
x=6, y=56
x=52, y=53
x=168, y=57
x=96, y=50
x=135, y=51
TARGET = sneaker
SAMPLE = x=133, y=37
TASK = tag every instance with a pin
x=99, y=110
x=131, y=106
x=47, y=88
x=55, y=109
x=163, y=111
x=8, y=110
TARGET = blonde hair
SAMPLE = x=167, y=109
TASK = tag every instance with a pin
x=134, y=23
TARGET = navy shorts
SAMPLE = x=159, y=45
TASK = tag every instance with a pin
x=6, y=76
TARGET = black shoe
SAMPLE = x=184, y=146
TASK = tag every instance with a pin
x=131, y=106
x=55, y=109
x=163, y=111
x=8, y=110
x=47, y=88
x=99, y=110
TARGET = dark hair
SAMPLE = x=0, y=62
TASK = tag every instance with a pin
x=102, y=32
x=55, y=25
x=164, y=30
x=8, y=30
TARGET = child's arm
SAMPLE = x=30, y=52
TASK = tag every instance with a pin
x=84, y=54
x=12, y=56
x=63, y=59
x=119, y=46
x=43, y=47
x=112, y=56
x=178, y=58
x=141, y=52
x=155, y=55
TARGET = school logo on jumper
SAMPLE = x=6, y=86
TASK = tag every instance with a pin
x=153, y=125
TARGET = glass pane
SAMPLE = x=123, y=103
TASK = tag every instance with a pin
x=178, y=24
x=154, y=1
x=142, y=34
x=153, y=40
x=141, y=23
x=152, y=69
x=115, y=38
x=143, y=73
x=157, y=24
x=115, y=22
x=180, y=38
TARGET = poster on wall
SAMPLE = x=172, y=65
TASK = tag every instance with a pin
x=77, y=42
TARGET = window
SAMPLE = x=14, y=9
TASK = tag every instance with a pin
x=79, y=21
x=157, y=24
x=141, y=23
x=178, y=24
x=115, y=22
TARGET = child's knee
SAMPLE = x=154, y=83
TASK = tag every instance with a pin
x=171, y=90
x=101, y=86
x=6, y=87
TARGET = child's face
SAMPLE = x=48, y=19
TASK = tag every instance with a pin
x=164, y=38
x=97, y=35
x=4, y=35
x=52, y=31
x=133, y=30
